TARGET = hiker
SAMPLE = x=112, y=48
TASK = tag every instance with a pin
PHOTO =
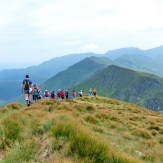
x=59, y=94
x=52, y=95
x=46, y=94
x=32, y=92
x=25, y=87
x=62, y=95
x=73, y=94
x=81, y=93
x=35, y=93
x=66, y=94
x=94, y=92
x=90, y=92
x=39, y=93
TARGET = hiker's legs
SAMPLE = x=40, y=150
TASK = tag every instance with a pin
x=35, y=99
x=27, y=98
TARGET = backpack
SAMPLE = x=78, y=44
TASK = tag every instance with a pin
x=46, y=94
x=52, y=94
x=80, y=93
x=26, y=84
x=39, y=93
x=62, y=94
x=35, y=91
x=66, y=93
x=73, y=94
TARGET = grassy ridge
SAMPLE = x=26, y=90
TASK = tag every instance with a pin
x=142, y=89
x=82, y=130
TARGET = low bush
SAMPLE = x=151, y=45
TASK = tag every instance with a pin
x=91, y=119
x=21, y=152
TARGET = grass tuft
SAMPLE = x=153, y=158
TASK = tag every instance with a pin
x=21, y=152
x=91, y=119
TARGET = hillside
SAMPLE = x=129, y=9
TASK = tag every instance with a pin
x=142, y=63
x=100, y=130
x=143, y=89
x=140, y=60
x=77, y=73
x=45, y=70
x=38, y=74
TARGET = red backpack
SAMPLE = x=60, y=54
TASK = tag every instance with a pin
x=46, y=94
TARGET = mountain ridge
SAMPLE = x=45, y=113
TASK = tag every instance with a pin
x=124, y=84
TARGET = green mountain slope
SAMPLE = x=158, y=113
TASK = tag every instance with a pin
x=148, y=61
x=124, y=84
x=142, y=63
x=76, y=73
x=46, y=69
x=84, y=130
x=9, y=90
x=38, y=74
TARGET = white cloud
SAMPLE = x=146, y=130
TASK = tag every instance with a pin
x=53, y=27
x=90, y=47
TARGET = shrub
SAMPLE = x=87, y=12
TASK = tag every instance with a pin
x=161, y=140
x=161, y=130
x=43, y=127
x=15, y=106
x=50, y=108
x=154, y=132
x=11, y=129
x=21, y=152
x=141, y=132
x=98, y=129
x=89, y=108
x=153, y=127
x=91, y=119
x=49, y=102
x=127, y=135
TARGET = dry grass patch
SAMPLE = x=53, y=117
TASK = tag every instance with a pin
x=98, y=129
x=127, y=135
x=91, y=119
x=160, y=139
x=141, y=133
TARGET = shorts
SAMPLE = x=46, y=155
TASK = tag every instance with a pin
x=26, y=92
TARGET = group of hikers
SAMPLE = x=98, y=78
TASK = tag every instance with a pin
x=32, y=89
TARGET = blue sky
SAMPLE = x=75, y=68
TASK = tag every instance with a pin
x=34, y=31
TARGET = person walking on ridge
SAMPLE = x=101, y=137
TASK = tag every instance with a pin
x=66, y=94
x=53, y=95
x=94, y=92
x=59, y=94
x=62, y=95
x=73, y=94
x=25, y=88
x=46, y=94
x=80, y=93
x=90, y=92
x=35, y=93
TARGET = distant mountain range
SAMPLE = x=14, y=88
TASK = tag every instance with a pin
x=143, y=89
x=44, y=71
x=77, y=73
x=50, y=68
x=149, y=61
